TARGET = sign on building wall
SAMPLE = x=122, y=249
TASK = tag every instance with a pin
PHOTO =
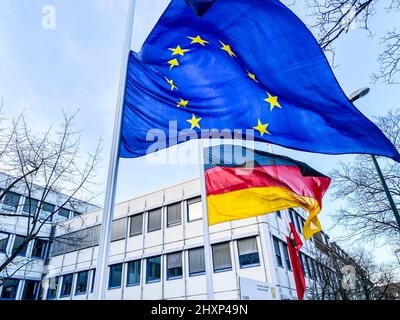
x=256, y=290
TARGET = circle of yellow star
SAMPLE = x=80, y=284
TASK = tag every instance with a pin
x=171, y=83
x=194, y=122
x=178, y=50
x=273, y=101
x=198, y=40
x=173, y=63
x=228, y=49
x=262, y=128
x=252, y=76
x=182, y=103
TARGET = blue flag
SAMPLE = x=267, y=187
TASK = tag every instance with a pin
x=248, y=65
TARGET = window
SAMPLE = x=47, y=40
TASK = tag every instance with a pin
x=47, y=211
x=31, y=289
x=292, y=215
x=66, y=285
x=52, y=290
x=133, y=277
x=222, y=257
x=17, y=243
x=93, y=280
x=305, y=265
x=76, y=214
x=194, y=209
x=286, y=255
x=153, y=269
x=30, y=206
x=39, y=249
x=174, y=214
x=300, y=223
x=278, y=213
x=115, y=277
x=136, y=227
x=118, y=231
x=197, y=264
x=82, y=282
x=174, y=266
x=10, y=287
x=63, y=214
x=278, y=255
x=3, y=241
x=11, y=201
x=154, y=217
x=248, y=253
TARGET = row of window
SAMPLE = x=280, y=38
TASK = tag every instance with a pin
x=38, y=250
x=89, y=237
x=221, y=253
x=9, y=289
x=173, y=216
x=11, y=203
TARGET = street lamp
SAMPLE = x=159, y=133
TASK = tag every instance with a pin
x=353, y=97
x=359, y=94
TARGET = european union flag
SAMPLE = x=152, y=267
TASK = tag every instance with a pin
x=239, y=64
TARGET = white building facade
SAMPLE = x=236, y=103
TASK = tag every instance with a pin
x=22, y=278
x=157, y=252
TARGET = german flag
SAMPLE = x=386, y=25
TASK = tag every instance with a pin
x=243, y=183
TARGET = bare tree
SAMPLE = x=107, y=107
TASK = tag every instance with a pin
x=372, y=281
x=368, y=214
x=333, y=19
x=42, y=166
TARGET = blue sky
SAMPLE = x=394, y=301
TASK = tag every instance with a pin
x=76, y=66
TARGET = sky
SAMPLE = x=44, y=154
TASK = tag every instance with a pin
x=76, y=66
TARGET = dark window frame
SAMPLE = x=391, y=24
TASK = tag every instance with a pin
x=137, y=233
x=176, y=223
x=15, y=286
x=196, y=273
x=43, y=248
x=159, y=211
x=6, y=242
x=189, y=203
x=174, y=277
x=55, y=292
x=222, y=269
x=249, y=265
x=77, y=284
x=110, y=270
x=277, y=252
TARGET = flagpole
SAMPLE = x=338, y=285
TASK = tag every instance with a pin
x=108, y=209
x=206, y=230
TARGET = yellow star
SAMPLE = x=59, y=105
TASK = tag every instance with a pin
x=262, y=128
x=171, y=83
x=178, y=50
x=182, y=103
x=194, y=122
x=198, y=40
x=173, y=63
x=228, y=49
x=252, y=76
x=273, y=101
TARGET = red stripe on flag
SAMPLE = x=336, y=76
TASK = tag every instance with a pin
x=221, y=180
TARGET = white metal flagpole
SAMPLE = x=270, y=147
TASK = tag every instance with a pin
x=108, y=209
x=206, y=231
